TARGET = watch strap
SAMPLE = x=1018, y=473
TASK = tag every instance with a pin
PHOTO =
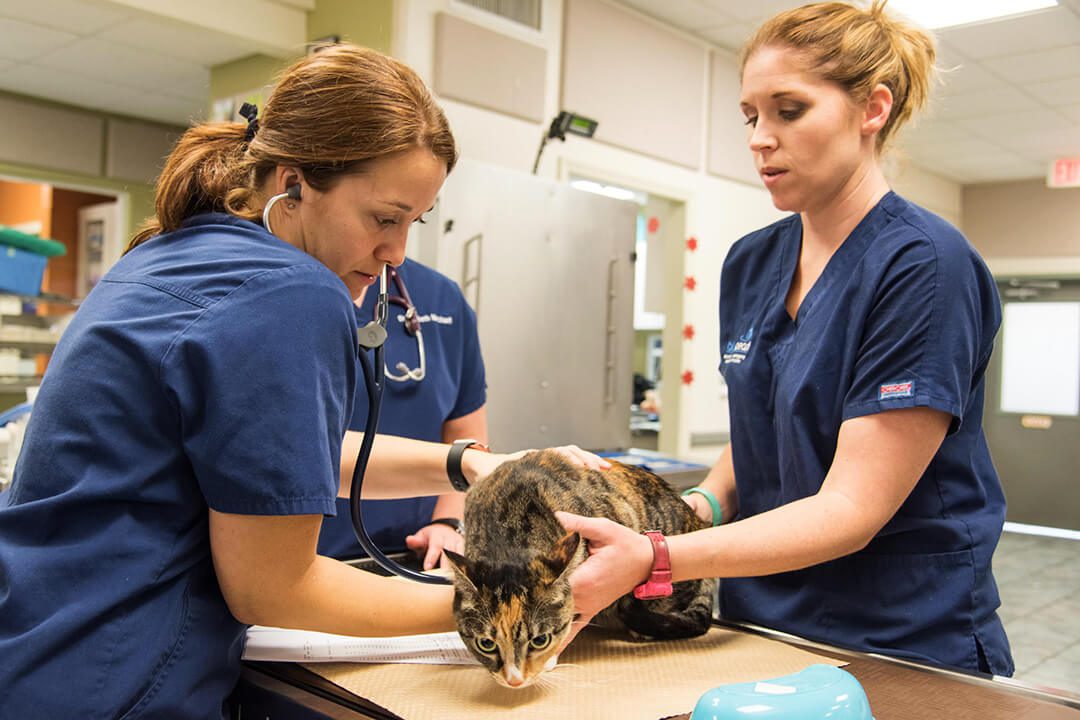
x=453, y=462
x=449, y=522
x=658, y=585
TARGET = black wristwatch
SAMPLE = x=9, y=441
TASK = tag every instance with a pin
x=449, y=522
x=453, y=462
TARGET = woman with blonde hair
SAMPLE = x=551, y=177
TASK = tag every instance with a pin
x=190, y=433
x=859, y=502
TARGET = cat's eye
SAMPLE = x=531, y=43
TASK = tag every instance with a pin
x=540, y=641
x=485, y=645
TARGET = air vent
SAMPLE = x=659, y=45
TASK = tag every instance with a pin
x=524, y=12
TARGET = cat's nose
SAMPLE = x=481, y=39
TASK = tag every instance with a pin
x=513, y=677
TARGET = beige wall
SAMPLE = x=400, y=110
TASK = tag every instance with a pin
x=1024, y=224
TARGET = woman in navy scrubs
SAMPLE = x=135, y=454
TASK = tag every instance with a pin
x=187, y=439
x=447, y=403
x=854, y=335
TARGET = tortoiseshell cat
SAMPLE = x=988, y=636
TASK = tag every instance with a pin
x=512, y=596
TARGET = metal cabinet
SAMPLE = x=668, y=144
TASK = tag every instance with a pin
x=549, y=271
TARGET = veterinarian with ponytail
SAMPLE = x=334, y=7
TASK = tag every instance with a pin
x=856, y=504
x=188, y=436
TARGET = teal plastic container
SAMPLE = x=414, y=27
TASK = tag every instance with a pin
x=819, y=692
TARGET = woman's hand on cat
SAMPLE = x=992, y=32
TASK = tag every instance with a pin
x=700, y=506
x=619, y=560
x=478, y=465
x=431, y=540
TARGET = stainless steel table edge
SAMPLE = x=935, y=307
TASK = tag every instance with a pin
x=1054, y=695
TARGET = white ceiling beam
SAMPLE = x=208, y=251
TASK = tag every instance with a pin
x=277, y=28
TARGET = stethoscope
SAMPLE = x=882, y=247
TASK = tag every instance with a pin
x=412, y=329
x=371, y=336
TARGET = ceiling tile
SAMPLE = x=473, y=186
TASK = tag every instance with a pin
x=753, y=12
x=65, y=87
x=1005, y=125
x=1070, y=111
x=941, y=131
x=1057, y=92
x=729, y=37
x=1005, y=173
x=965, y=148
x=1049, y=144
x=1051, y=64
x=980, y=103
x=74, y=16
x=122, y=65
x=1027, y=33
x=25, y=41
x=965, y=77
x=152, y=106
x=686, y=14
x=195, y=45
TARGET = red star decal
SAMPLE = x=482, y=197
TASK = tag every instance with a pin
x=691, y=244
x=688, y=332
x=688, y=377
x=690, y=283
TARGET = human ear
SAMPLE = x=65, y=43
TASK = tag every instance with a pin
x=877, y=110
x=288, y=179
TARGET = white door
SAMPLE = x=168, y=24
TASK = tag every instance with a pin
x=99, y=243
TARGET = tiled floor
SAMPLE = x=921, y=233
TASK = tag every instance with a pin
x=1039, y=581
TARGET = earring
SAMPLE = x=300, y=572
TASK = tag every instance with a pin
x=290, y=205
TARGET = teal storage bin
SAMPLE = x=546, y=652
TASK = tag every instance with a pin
x=820, y=692
x=21, y=271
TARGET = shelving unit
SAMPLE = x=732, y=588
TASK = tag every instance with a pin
x=28, y=334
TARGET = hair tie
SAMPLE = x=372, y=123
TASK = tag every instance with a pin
x=251, y=112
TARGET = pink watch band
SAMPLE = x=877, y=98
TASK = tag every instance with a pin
x=659, y=583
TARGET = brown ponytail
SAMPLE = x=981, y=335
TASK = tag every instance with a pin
x=857, y=49
x=329, y=114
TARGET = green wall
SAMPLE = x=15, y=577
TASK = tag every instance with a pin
x=364, y=22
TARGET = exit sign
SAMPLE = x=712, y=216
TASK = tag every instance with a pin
x=1064, y=173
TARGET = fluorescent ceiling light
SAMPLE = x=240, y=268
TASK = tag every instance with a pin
x=934, y=14
x=611, y=191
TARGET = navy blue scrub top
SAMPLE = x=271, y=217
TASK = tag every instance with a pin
x=212, y=367
x=453, y=387
x=904, y=315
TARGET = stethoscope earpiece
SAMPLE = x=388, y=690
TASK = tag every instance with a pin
x=291, y=193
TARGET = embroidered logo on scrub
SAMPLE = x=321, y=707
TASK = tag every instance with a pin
x=897, y=390
x=430, y=317
x=735, y=351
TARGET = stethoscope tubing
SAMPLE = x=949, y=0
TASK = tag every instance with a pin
x=373, y=382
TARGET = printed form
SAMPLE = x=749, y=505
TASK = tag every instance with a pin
x=280, y=644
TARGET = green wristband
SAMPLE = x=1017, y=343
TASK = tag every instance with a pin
x=717, y=511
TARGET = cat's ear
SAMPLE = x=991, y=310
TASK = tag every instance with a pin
x=460, y=566
x=562, y=555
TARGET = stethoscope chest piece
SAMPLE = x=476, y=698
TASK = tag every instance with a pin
x=372, y=335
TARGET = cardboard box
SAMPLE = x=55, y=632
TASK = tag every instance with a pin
x=21, y=271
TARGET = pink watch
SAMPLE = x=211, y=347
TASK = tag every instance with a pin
x=659, y=583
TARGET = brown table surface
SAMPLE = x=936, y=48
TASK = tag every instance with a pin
x=898, y=690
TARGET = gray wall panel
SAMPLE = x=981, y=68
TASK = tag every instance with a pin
x=485, y=68
x=137, y=151
x=48, y=137
x=643, y=83
x=729, y=153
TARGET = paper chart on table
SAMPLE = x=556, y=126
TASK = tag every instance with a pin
x=280, y=644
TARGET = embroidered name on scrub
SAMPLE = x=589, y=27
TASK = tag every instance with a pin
x=735, y=351
x=430, y=317
x=897, y=390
